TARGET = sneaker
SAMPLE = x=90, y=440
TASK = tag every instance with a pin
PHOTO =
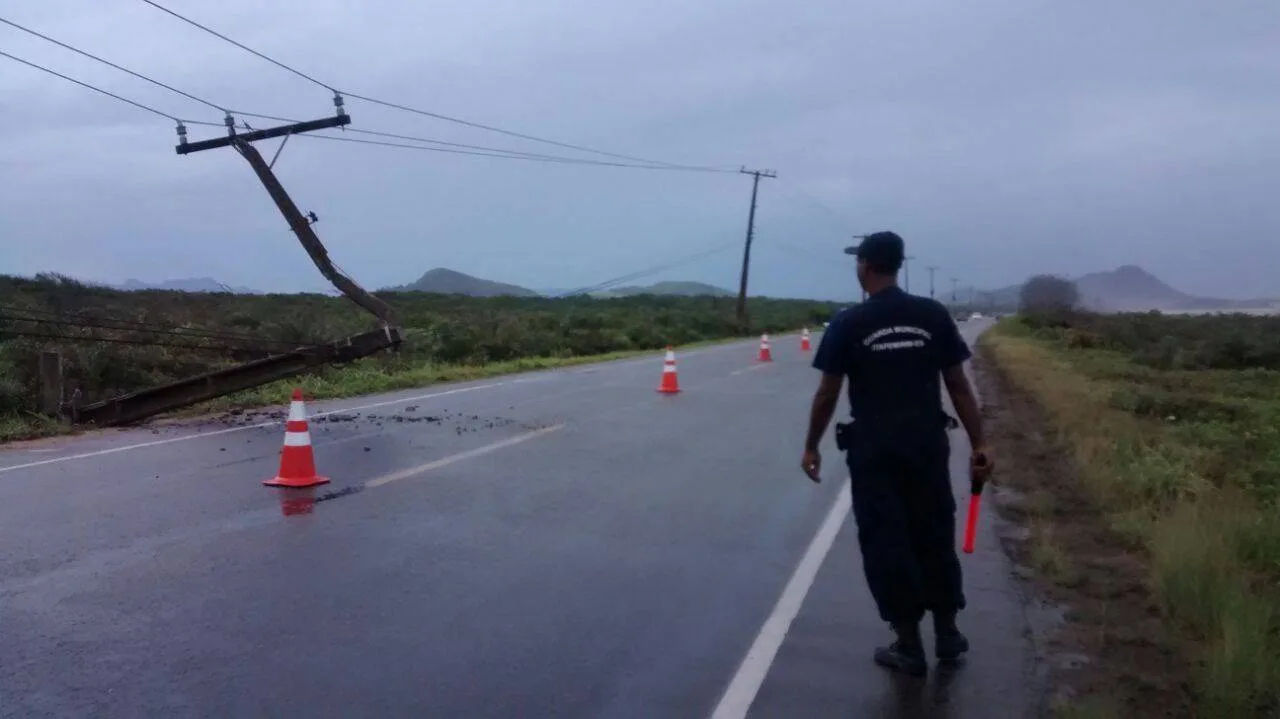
x=905, y=655
x=950, y=646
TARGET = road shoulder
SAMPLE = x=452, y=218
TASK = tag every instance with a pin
x=1098, y=632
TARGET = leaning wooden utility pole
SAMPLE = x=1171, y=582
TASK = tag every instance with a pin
x=297, y=222
x=746, y=252
x=156, y=400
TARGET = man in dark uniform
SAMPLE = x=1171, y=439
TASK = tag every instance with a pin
x=893, y=348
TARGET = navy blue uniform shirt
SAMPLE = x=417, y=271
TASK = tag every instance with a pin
x=893, y=348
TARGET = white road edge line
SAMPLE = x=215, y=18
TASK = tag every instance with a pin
x=445, y=461
x=741, y=692
x=229, y=430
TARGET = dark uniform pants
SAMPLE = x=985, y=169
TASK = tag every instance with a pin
x=906, y=515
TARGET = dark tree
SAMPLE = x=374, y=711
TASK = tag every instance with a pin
x=1048, y=295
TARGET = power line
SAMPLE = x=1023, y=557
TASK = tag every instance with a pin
x=417, y=111
x=140, y=327
x=141, y=76
x=496, y=152
x=246, y=48
x=121, y=340
x=112, y=95
x=534, y=138
x=481, y=150
x=221, y=108
x=650, y=271
x=91, y=56
x=802, y=194
x=443, y=143
x=505, y=155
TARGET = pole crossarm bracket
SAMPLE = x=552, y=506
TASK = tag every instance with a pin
x=186, y=148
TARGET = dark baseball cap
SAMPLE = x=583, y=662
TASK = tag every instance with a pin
x=884, y=250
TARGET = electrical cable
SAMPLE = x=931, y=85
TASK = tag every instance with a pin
x=142, y=328
x=81, y=83
x=481, y=150
x=648, y=272
x=246, y=48
x=523, y=136
x=425, y=113
x=91, y=56
x=121, y=340
x=529, y=156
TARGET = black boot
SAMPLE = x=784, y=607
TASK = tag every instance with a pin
x=949, y=643
x=905, y=655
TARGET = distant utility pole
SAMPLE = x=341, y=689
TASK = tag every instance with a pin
x=746, y=252
x=953, y=289
x=932, y=269
x=906, y=271
x=854, y=251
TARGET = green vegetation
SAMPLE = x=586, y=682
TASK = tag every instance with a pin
x=160, y=336
x=1175, y=426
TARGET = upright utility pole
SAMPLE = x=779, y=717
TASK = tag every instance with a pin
x=953, y=290
x=906, y=271
x=746, y=252
x=932, y=269
x=854, y=251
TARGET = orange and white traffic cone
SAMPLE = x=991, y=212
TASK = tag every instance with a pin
x=804, y=340
x=765, y=354
x=670, y=384
x=297, y=463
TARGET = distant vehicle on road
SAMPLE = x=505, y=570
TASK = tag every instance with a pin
x=975, y=316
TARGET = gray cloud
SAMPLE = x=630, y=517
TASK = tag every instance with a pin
x=1001, y=138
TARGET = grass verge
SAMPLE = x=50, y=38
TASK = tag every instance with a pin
x=360, y=378
x=1181, y=465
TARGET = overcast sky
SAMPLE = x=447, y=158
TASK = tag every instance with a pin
x=1001, y=138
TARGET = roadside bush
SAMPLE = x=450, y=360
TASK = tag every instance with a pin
x=1048, y=296
x=1175, y=421
x=115, y=342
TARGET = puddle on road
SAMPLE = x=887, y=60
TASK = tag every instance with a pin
x=297, y=501
x=294, y=502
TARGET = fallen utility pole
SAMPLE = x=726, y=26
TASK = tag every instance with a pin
x=135, y=406
x=746, y=252
x=146, y=403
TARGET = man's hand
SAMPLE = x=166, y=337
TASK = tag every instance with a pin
x=824, y=405
x=981, y=461
x=811, y=463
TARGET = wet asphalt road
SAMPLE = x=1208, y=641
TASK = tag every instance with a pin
x=565, y=543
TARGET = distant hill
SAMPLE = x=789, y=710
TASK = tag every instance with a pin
x=189, y=284
x=1128, y=288
x=684, y=289
x=449, y=282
